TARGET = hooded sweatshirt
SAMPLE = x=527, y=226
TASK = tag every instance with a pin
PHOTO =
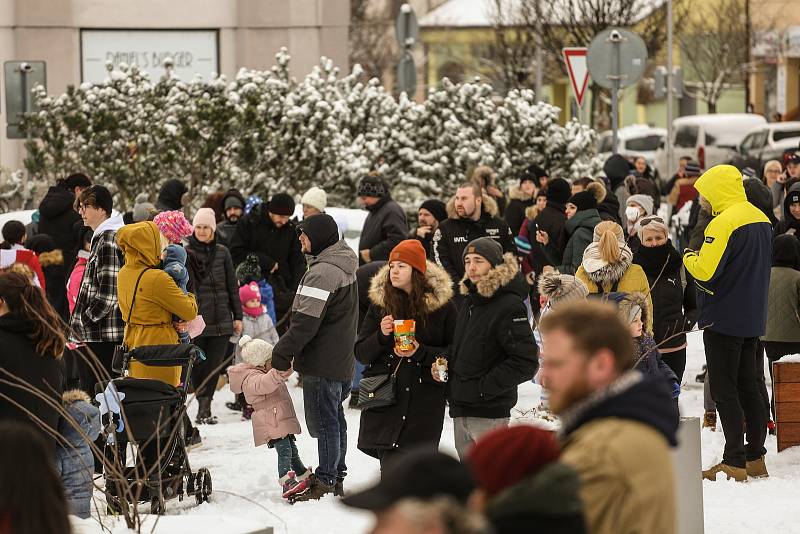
x=732, y=268
x=158, y=298
x=169, y=197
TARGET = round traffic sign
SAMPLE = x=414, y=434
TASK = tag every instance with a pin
x=616, y=54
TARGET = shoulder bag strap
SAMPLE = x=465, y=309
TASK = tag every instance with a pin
x=133, y=300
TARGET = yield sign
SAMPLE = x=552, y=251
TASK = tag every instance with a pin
x=575, y=58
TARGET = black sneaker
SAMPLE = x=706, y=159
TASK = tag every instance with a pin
x=234, y=406
x=338, y=488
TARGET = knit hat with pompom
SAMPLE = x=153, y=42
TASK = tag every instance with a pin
x=561, y=288
x=255, y=352
x=249, y=270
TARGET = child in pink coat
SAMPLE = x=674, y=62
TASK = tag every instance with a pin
x=274, y=419
x=75, y=277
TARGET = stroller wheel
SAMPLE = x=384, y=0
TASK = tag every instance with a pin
x=202, y=485
x=157, y=506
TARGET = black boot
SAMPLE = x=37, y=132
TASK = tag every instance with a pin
x=204, y=412
x=237, y=404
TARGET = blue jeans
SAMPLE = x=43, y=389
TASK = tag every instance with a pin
x=288, y=458
x=322, y=402
x=359, y=373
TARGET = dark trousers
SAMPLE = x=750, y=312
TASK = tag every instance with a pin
x=288, y=457
x=733, y=381
x=205, y=372
x=100, y=355
x=322, y=402
x=775, y=351
x=676, y=361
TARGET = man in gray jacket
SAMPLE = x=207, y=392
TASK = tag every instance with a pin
x=320, y=341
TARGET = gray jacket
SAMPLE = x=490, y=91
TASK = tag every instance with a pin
x=324, y=318
x=74, y=459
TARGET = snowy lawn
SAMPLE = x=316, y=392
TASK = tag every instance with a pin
x=246, y=487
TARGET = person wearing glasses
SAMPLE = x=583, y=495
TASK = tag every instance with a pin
x=96, y=320
x=674, y=301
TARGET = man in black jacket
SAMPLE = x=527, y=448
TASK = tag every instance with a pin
x=552, y=220
x=320, y=342
x=58, y=218
x=268, y=233
x=385, y=225
x=431, y=213
x=493, y=348
x=472, y=215
x=233, y=209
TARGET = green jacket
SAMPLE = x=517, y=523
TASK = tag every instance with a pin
x=783, y=305
x=580, y=229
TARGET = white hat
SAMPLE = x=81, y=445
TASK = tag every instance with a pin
x=316, y=198
x=255, y=352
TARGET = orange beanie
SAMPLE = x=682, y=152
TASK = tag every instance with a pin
x=411, y=252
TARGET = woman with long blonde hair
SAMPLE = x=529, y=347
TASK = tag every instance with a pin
x=608, y=267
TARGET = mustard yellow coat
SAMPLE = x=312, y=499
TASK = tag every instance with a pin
x=157, y=300
x=633, y=281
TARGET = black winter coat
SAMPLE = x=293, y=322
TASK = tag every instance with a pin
x=384, y=228
x=257, y=234
x=493, y=350
x=674, y=304
x=453, y=235
x=213, y=280
x=59, y=220
x=418, y=415
x=515, y=211
x=552, y=220
x=21, y=364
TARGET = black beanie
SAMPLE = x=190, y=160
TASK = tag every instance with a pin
x=786, y=251
x=436, y=207
x=102, y=197
x=281, y=204
x=584, y=200
x=486, y=247
x=321, y=230
x=558, y=190
x=372, y=186
x=77, y=180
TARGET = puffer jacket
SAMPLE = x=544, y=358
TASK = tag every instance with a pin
x=273, y=411
x=157, y=300
x=324, y=318
x=59, y=220
x=618, y=441
x=74, y=458
x=213, y=280
x=452, y=236
x=731, y=269
x=417, y=415
x=493, y=349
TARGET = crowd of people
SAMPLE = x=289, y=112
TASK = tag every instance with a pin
x=588, y=287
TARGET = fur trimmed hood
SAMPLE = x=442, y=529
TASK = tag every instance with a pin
x=75, y=395
x=626, y=304
x=54, y=257
x=515, y=192
x=489, y=206
x=498, y=277
x=607, y=272
x=598, y=190
x=440, y=293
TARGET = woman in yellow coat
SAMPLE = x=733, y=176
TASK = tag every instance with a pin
x=608, y=267
x=157, y=299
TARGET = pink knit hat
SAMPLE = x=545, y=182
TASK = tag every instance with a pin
x=205, y=216
x=248, y=292
x=173, y=225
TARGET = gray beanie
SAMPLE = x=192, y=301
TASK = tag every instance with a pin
x=142, y=208
x=645, y=201
x=486, y=247
x=561, y=288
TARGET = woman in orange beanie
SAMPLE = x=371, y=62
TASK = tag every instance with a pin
x=407, y=288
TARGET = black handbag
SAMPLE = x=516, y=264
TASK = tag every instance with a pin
x=378, y=391
x=121, y=350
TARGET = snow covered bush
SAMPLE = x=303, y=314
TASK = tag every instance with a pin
x=265, y=132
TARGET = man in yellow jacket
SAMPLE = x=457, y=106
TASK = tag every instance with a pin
x=731, y=271
x=617, y=424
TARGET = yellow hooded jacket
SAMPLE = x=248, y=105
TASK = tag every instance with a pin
x=732, y=267
x=157, y=299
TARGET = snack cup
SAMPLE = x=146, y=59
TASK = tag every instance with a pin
x=404, y=334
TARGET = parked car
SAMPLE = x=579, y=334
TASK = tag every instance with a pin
x=633, y=141
x=766, y=142
x=707, y=139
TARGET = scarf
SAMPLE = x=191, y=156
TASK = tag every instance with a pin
x=599, y=270
x=654, y=259
x=254, y=312
x=201, y=259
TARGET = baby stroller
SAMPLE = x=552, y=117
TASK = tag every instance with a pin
x=151, y=414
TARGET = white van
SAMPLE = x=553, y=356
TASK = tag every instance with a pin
x=633, y=141
x=707, y=139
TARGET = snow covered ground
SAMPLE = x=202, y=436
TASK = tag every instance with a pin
x=245, y=478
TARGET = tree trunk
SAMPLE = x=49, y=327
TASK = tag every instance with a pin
x=712, y=106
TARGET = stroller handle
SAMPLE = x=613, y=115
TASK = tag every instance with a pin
x=182, y=355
